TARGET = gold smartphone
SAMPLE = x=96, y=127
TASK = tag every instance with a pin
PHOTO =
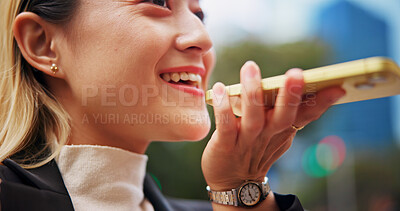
x=363, y=79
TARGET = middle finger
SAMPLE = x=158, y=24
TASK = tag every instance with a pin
x=252, y=121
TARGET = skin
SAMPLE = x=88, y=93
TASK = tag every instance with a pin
x=109, y=45
x=125, y=44
x=245, y=148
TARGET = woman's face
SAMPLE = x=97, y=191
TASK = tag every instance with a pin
x=117, y=56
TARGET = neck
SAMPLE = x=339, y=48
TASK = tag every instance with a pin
x=104, y=135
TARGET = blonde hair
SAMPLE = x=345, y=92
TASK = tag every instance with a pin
x=33, y=125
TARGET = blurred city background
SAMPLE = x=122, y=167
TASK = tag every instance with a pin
x=347, y=160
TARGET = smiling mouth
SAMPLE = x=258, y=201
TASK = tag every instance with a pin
x=182, y=79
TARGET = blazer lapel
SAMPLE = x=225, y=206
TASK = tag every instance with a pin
x=48, y=177
x=154, y=195
x=40, y=189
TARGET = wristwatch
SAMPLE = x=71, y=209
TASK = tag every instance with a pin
x=249, y=194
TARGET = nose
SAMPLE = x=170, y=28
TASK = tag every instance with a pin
x=193, y=36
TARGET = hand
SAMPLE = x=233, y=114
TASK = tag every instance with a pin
x=245, y=148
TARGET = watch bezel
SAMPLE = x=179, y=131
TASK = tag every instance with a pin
x=260, y=198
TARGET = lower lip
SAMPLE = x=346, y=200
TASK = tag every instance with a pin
x=188, y=89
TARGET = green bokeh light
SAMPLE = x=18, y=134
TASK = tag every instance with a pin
x=325, y=156
x=311, y=165
x=322, y=159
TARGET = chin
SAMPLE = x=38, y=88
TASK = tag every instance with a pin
x=198, y=133
x=192, y=131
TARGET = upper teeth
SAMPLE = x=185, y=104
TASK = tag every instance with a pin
x=184, y=76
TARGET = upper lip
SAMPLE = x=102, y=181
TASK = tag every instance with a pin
x=190, y=69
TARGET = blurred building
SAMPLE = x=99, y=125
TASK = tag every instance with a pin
x=354, y=33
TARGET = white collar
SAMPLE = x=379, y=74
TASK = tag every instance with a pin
x=103, y=178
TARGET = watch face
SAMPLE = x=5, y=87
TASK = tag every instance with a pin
x=250, y=194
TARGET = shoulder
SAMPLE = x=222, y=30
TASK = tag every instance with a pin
x=22, y=189
x=6, y=174
x=288, y=202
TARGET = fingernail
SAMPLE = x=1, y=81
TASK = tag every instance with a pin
x=296, y=73
x=251, y=70
x=219, y=89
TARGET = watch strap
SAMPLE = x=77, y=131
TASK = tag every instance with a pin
x=223, y=197
x=265, y=187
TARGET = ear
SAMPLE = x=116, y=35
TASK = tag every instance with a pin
x=36, y=40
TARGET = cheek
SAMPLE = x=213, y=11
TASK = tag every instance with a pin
x=122, y=54
x=209, y=61
x=122, y=51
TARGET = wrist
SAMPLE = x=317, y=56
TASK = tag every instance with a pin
x=224, y=186
x=248, y=194
x=230, y=184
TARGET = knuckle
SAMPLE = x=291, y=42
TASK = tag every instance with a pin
x=253, y=95
x=223, y=110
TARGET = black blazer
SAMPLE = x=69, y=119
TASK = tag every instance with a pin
x=43, y=189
